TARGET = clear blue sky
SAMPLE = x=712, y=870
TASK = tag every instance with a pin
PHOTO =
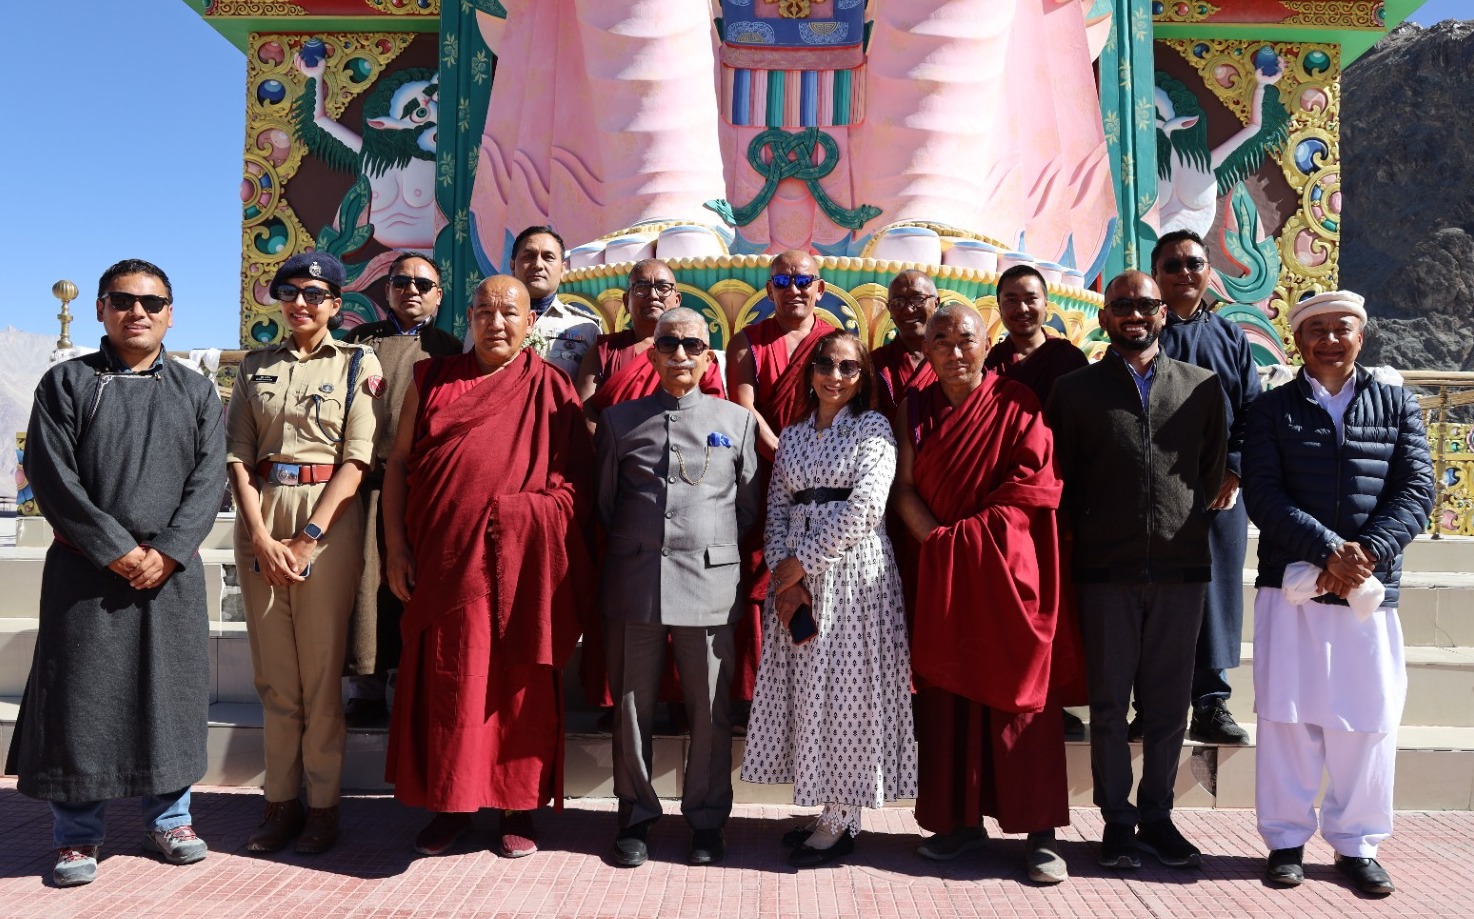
x=127, y=130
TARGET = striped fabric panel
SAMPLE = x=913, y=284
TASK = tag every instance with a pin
x=793, y=98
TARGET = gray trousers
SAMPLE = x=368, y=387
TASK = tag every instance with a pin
x=1141, y=635
x=705, y=660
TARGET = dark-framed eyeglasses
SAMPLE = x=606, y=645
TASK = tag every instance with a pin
x=123, y=302
x=1176, y=265
x=312, y=296
x=403, y=281
x=847, y=369
x=801, y=281
x=661, y=289
x=913, y=302
x=695, y=347
x=1126, y=306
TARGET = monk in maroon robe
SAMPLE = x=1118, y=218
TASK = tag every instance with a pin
x=767, y=373
x=901, y=364
x=901, y=369
x=1029, y=354
x=617, y=370
x=975, y=485
x=486, y=499
x=1035, y=358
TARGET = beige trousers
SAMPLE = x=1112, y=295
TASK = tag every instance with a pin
x=299, y=635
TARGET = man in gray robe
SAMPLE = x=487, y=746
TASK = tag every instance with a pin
x=126, y=454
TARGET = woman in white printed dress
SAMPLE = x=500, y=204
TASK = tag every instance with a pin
x=832, y=715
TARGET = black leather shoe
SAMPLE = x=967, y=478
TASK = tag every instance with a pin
x=365, y=713
x=1215, y=725
x=1074, y=727
x=1134, y=730
x=707, y=847
x=1368, y=876
x=804, y=857
x=630, y=850
x=797, y=836
x=1285, y=868
x=1118, y=847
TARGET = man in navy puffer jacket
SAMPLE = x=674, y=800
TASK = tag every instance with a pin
x=1337, y=476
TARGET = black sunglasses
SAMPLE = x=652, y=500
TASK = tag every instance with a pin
x=847, y=369
x=1175, y=265
x=695, y=347
x=801, y=281
x=661, y=289
x=1125, y=306
x=312, y=296
x=152, y=303
x=403, y=281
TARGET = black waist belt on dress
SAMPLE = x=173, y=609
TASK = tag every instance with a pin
x=821, y=495
x=294, y=473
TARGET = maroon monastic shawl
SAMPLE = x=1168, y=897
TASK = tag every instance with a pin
x=1038, y=371
x=988, y=585
x=894, y=374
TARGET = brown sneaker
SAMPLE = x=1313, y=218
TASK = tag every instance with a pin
x=519, y=834
x=282, y=822
x=320, y=832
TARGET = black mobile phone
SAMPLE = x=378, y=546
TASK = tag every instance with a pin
x=802, y=626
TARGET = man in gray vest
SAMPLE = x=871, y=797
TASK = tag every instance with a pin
x=676, y=489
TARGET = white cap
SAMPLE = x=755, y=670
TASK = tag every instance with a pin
x=1332, y=301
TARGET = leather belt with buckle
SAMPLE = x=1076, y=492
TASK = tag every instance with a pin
x=295, y=473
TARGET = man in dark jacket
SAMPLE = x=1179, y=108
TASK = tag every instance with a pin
x=1338, y=478
x=1140, y=441
x=126, y=454
x=1197, y=335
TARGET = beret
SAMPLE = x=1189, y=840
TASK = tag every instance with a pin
x=319, y=265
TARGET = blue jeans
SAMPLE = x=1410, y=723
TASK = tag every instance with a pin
x=1210, y=689
x=81, y=824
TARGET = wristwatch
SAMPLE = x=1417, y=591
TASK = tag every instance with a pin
x=313, y=532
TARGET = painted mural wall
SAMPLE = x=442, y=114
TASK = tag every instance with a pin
x=1248, y=157
x=341, y=134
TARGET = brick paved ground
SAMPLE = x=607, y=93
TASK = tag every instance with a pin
x=372, y=873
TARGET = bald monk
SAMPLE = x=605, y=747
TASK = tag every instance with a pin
x=975, y=485
x=901, y=363
x=486, y=496
x=767, y=374
x=616, y=370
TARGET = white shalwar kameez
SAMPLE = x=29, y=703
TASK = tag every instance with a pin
x=1329, y=691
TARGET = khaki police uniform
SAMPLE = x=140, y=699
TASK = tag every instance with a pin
x=289, y=410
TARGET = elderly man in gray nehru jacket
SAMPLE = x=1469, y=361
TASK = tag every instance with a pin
x=676, y=489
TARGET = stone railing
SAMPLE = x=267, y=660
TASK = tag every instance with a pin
x=1445, y=398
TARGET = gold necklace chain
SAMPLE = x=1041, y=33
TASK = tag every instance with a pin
x=681, y=459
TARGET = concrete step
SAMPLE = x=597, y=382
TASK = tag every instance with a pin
x=1435, y=766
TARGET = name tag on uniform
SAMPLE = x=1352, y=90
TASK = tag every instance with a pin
x=263, y=378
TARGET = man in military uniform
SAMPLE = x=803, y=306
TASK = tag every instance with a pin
x=407, y=336
x=568, y=332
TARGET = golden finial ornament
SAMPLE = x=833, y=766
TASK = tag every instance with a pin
x=66, y=292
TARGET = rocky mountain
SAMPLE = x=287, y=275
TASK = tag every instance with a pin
x=24, y=356
x=1407, y=154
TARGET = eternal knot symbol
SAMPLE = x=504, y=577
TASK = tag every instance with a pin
x=791, y=156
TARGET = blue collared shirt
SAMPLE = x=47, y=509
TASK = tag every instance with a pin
x=1143, y=381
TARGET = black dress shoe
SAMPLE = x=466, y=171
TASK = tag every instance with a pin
x=1216, y=726
x=365, y=713
x=1285, y=868
x=1368, y=876
x=797, y=836
x=1134, y=731
x=804, y=857
x=1074, y=727
x=630, y=850
x=707, y=847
